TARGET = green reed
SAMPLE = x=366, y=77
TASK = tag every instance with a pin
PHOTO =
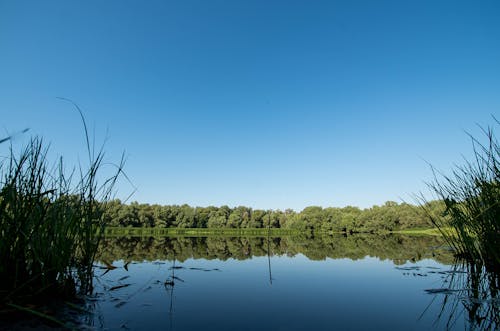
x=471, y=194
x=50, y=223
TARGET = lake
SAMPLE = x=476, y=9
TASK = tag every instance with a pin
x=280, y=283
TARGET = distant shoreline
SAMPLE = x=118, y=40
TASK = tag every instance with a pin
x=249, y=232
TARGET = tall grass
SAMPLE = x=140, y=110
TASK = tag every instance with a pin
x=471, y=194
x=50, y=223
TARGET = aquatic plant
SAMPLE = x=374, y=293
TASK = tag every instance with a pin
x=50, y=223
x=471, y=194
x=469, y=293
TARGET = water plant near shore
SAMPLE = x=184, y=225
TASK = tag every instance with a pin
x=50, y=223
x=469, y=292
x=471, y=194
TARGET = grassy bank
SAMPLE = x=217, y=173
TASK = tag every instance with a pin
x=426, y=232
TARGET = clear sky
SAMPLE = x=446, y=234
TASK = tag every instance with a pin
x=268, y=104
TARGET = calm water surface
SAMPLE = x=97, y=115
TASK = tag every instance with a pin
x=329, y=283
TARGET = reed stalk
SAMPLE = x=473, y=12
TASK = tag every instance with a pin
x=471, y=194
x=50, y=223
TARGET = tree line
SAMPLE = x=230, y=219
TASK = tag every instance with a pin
x=389, y=217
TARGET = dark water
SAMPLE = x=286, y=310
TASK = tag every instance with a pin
x=326, y=283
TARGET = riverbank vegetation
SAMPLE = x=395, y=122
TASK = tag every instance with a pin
x=471, y=197
x=386, y=218
x=470, y=224
x=51, y=224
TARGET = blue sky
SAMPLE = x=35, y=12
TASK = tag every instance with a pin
x=268, y=104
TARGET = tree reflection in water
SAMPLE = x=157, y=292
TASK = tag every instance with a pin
x=398, y=248
x=469, y=293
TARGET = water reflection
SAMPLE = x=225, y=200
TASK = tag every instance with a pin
x=397, y=248
x=269, y=258
x=468, y=292
x=169, y=287
x=353, y=282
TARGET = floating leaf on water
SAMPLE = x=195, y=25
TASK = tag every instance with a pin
x=108, y=266
x=93, y=299
x=124, y=277
x=439, y=291
x=118, y=286
x=200, y=269
x=177, y=267
x=119, y=304
x=408, y=268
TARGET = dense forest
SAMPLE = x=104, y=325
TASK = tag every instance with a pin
x=389, y=217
